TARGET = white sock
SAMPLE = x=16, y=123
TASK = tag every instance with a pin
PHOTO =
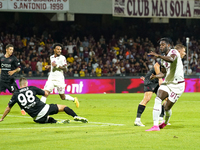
x=157, y=110
x=167, y=116
x=137, y=119
x=43, y=99
x=69, y=98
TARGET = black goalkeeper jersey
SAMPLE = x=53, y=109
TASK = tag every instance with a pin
x=8, y=64
x=27, y=100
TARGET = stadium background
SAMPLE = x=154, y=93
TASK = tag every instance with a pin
x=93, y=18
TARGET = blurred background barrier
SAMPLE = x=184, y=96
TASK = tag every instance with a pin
x=106, y=85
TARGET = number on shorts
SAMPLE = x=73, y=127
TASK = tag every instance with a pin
x=173, y=95
x=28, y=97
x=59, y=89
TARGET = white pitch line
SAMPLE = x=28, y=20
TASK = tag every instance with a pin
x=88, y=124
x=50, y=127
x=107, y=123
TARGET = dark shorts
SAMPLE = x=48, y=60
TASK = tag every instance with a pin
x=53, y=109
x=11, y=86
x=151, y=87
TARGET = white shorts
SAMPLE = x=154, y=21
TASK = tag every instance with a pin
x=174, y=91
x=51, y=84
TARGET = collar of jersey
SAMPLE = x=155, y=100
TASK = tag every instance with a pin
x=55, y=56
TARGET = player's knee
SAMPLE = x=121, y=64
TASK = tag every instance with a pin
x=147, y=98
x=144, y=101
x=46, y=93
x=62, y=97
x=167, y=108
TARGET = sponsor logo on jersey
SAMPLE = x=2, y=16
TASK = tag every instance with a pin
x=5, y=65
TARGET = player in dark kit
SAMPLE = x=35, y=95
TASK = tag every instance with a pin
x=9, y=65
x=150, y=87
x=39, y=111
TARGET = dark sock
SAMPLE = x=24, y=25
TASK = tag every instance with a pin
x=51, y=120
x=70, y=112
x=162, y=112
x=140, y=110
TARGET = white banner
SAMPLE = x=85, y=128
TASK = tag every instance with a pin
x=157, y=8
x=3, y=5
x=50, y=6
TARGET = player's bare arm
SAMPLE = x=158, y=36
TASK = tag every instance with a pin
x=14, y=71
x=169, y=59
x=46, y=93
x=5, y=113
x=159, y=75
x=157, y=70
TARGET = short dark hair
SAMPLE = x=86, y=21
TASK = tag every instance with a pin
x=9, y=45
x=57, y=44
x=167, y=40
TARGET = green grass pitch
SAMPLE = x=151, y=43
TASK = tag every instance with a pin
x=110, y=127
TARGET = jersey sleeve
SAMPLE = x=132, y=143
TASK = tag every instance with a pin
x=174, y=52
x=12, y=101
x=50, y=59
x=64, y=61
x=38, y=90
x=159, y=62
x=16, y=63
x=0, y=62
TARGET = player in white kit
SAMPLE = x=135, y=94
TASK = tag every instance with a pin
x=173, y=85
x=56, y=77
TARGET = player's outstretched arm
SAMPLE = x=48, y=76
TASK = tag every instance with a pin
x=14, y=71
x=5, y=113
x=169, y=59
x=160, y=75
x=157, y=70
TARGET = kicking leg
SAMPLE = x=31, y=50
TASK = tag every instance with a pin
x=70, y=112
x=68, y=97
x=161, y=95
x=168, y=113
x=141, y=108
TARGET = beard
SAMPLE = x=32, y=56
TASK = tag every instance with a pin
x=164, y=50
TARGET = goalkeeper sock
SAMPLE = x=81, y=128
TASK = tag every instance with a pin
x=162, y=112
x=140, y=110
x=69, y=98
x=70, y=112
